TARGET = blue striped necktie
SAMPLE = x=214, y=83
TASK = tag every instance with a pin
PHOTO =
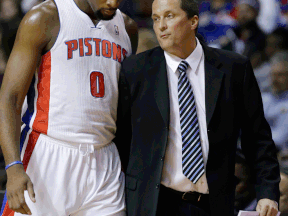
x=192, y=158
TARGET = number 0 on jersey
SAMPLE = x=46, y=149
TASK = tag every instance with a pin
x=97, y=84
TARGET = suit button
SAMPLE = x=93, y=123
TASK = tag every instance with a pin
x=208, y=130
x=157, y=186
x=162, y=158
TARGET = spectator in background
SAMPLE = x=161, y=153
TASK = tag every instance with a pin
x=276, y=102
x=262, y=69
x=26, y=5
x=275, y=42
x=283, y=157
x=215, y=20
x=283, y=19
x=283, y=202
x=10, y=18
x=249, y=38
x=269, y=15
x=147, y=40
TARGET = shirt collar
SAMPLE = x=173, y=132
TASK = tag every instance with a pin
x=193, y=59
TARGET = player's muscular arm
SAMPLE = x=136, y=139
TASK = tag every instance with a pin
x=33, y=36
x=132, y=30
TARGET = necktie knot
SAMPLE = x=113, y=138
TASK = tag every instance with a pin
x=183, y=66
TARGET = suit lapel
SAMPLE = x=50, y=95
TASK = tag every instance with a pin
x=213, y=79
x=158, y=76
x=161, y=92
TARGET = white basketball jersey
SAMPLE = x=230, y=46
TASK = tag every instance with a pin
x=73, y=96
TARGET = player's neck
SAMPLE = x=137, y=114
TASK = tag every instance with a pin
x=86, y=8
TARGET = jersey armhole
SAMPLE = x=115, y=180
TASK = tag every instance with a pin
x=60, y=29
x=127, y=36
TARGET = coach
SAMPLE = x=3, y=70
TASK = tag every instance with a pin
x=182, y=107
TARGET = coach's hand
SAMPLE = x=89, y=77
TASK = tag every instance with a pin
x=267, y=207
x=17, y=182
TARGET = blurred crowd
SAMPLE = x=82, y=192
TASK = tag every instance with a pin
x=257, y=29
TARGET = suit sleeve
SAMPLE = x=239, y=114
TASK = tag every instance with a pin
x=123, y=124
x=256, y=138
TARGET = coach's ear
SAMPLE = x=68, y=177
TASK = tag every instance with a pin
x=194, y=22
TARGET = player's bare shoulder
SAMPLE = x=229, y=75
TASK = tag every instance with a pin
x=41, y=25
x=132, y=30
x=129, y=22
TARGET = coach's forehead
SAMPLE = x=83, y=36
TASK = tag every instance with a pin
x=162, y=6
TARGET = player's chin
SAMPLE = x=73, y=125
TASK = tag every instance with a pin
x=100, y=14
x=106, y=17
x=107, y=14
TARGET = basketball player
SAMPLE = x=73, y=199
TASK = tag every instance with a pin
x=72, y=166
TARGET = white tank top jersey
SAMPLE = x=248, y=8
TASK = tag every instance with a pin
x=74, y=94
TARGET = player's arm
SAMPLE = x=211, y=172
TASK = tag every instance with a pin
x=32, y=37
x=132, y=30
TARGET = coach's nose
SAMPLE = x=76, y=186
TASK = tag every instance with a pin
x=162, y=25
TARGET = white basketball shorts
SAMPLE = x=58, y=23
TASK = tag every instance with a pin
x=72, y=179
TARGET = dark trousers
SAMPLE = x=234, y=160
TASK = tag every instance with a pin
x=169, y=204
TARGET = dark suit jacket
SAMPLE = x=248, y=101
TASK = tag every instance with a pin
x=233, y=102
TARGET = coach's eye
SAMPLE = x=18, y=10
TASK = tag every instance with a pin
x=170, y=16
x=155, y=19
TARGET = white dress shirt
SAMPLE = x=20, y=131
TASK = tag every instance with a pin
x=172, y=175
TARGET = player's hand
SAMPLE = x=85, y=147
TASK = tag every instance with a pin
x=267, y=207
x=17, y=182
